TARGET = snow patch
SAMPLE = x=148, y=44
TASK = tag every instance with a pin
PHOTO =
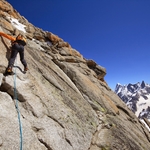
x=145, y=124
x=17, y=24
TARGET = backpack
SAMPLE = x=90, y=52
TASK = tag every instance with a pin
x=21, y=39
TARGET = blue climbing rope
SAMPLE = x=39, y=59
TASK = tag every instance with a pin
x=17, y=109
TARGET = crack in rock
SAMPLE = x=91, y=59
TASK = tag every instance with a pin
x=45, y=144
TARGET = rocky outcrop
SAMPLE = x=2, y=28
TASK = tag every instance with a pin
x=63, y=99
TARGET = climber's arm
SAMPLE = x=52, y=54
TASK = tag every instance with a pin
x=7, y=36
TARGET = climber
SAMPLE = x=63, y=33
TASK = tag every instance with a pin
x=18, y=44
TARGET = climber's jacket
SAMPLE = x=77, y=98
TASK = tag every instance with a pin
x=8, y=36
x=19, y=39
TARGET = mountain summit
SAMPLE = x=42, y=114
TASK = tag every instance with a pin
x=137, y=98
x=62, y=102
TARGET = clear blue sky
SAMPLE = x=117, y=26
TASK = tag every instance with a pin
x=114, y=33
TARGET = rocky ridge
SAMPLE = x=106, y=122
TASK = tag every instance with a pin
x=64, y=101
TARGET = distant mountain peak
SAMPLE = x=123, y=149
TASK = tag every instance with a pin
x=143, y=84
x=137, y=98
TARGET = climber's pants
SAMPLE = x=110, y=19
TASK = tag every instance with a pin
x=17, y=48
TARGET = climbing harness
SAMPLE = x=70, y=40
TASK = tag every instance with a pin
x=17, y=109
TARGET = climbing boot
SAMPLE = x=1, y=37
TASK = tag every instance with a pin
x=9, y=69
x=26, y=69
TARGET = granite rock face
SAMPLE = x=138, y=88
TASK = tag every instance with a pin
x=63, y=99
